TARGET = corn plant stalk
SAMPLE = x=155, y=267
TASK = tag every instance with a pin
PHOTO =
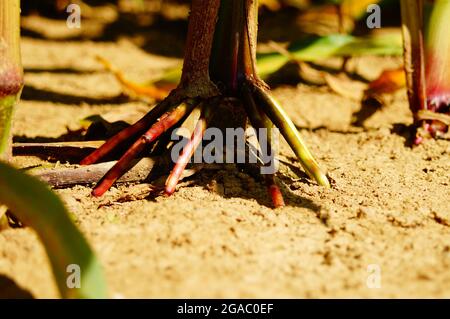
x=219, y=64
x=11, y=74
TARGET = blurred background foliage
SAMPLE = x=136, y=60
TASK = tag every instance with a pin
x=324, y=15
x=295, y=36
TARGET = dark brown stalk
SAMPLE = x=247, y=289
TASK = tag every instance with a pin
x=233, y=60
x=195, y=76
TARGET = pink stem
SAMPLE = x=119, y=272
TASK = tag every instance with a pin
x=138, y=128
x=186, y=154
x=274, y=191
x=165, y=122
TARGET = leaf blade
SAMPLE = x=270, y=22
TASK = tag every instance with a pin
x=36, y=206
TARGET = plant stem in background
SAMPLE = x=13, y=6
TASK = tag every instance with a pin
x=438, y=65
x=438, y=51
x=11, y=74
x=427, y=64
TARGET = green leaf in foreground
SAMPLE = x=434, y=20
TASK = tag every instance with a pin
x=36, y=206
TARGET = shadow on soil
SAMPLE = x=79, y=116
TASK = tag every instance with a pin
x=10, y=290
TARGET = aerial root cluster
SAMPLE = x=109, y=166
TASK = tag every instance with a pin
x=153, y=132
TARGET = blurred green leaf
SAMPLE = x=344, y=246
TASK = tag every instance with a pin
x=320, y=48
x=316, y=49
x=36, y=206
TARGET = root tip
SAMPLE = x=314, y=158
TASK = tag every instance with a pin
x=322, y=180
x=96, y=192
x=276, y=195
x=169, y=191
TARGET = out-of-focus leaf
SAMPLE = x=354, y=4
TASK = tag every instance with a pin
x=309, y=49
x=345, y=88
x=388, y=82
x=3, y=218
x=378, y=90
x=319, y=48
x=357, y=8
x=271, y=4
x=382, y=44
x=334, y=16
x=36, y=206
x=97, y=128
x=438, y=49
x=132, y=88
x=324, y=20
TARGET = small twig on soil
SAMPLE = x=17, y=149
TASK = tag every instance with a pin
x=83, y=175
x=90, y=174
x=69, y=151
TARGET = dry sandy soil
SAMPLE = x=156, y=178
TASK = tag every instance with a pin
x=217, y=235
